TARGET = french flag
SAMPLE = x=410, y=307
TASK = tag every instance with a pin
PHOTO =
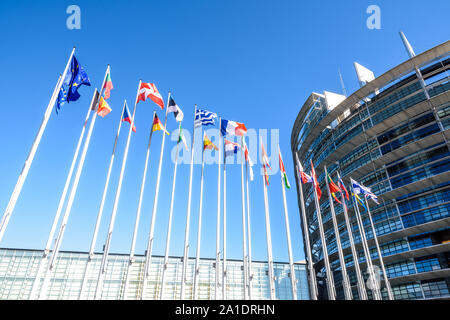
x=232, y=128
x=304, y=176
x=230, y=148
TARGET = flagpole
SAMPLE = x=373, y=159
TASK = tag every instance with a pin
x=375, y=290
x=311, y=271
x=216, y=288
x=250, y=275
x=345, y=279
x=199, y=231
x=100, y=211
x=361, y=285
x=269, y=241
x=224, y=227
x=169, y=227
x=329, y=272
x=62, y=229
x=37, y=279
x=148, y=254
x=386, y=279
x=26, y=166
x=138, y=213
x=102, y=270
x=188, y=215
x=244, y=235
x=288, y=237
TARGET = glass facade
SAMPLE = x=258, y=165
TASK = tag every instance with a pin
x=395, y=141
x=18, y=270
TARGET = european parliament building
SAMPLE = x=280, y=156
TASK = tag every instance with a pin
x=391, y=135
x=18, y=269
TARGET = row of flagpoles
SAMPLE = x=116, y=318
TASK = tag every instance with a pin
x=357, y=189
x=65, y=91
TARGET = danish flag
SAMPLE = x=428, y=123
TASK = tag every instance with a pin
x=148, y=90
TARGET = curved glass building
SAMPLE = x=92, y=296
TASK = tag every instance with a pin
x=391, y=135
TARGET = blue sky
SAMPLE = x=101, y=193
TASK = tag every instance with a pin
x=251, y=61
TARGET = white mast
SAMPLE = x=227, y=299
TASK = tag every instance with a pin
x=169, y=227
x=188, y=216
x=102, y=270
x=26, y=166
x=216, y=287
x=138, y=213
x=244, y=231
x=148, y=254
x=288, y=237
x=100, y=211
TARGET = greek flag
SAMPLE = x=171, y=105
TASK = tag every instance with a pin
x=205, y=118
x=360, y=189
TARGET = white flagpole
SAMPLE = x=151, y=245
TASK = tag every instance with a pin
x=269, y=240
x=188, y=216
x=288, y=237
x=199, y=231
x=345, y=279
x=216, y=288
x=100, y=211
x=329, y=272
x=138, y=213
x=37, y=279
x=169, y=227
x=250, y=275
x=361, y=285
x=375, y=289
x=26, y=166
x=244, y=231
x=148, y=254
x=224, y=251
x=386, y=279
x=66, y=215
x=102, y=270
x=312, y=273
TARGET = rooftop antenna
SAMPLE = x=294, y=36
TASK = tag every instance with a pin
x=342, y=83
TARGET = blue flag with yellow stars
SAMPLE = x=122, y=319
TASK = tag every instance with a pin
x=75, y=77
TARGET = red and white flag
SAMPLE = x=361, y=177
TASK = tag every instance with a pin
x=315, y=182
x=247, y=158
x=148, y=90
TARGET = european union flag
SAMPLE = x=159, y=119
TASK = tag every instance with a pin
x=75, y=77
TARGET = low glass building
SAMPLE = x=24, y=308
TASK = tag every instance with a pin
x=18, y=268
x=391, y=135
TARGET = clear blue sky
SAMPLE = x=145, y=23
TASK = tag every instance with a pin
x=250, y=61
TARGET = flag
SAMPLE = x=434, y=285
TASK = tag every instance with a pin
x=103, y=108
x=204, y=118
x=148, y=90
x=173, y=107
x=157, y=125
x=108, y=86
x=333, y=188
x=76, y=76
x=304, y=177
x=207, y=144
x=315, y=183
x=343, y=188
x=265, y=161
x=232, y=128
x=181, y=138
x=358, y=200
x=230, y=148
x=126, y=117
x=360, y=189
x=283, y=171
x=248, y=159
